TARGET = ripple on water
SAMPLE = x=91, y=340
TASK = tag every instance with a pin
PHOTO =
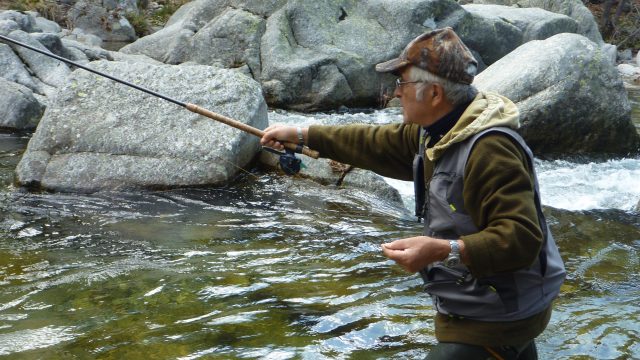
x=24, y=340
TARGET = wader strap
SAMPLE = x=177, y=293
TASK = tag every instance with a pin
x=419, y=187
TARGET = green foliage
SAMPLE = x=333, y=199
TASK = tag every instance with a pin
x=139, y=23
x=169, y=7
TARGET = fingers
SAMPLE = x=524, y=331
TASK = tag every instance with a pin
x=401, y=244
x=412, y=254
x=275, y=135
x=392, y=254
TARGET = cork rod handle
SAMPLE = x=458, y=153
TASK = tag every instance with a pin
x=246, y=128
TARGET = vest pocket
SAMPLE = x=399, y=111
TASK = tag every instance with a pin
x=440, y=210
x=458, y=293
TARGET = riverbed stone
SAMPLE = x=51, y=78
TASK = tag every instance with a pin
x=25, y=21
x=7, y=26
x=108, y=25
x=629, y=73
x=570, y=96
x=19, y=109
x=12, y=68
x=100, y=135
x=50, y=71
x=47, y=26
x=90, y=52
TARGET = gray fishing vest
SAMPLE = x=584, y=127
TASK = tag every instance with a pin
x=455, y=292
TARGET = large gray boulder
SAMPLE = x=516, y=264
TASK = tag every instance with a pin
x=495, y=30
x=225, y=33
x=571, y=97
x=321, y=55
x=575, y=9
x=19, y=109
x=97, y=134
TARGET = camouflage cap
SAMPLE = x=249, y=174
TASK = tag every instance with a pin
x=440, y=52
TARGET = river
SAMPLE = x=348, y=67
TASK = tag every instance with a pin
x=283, y=268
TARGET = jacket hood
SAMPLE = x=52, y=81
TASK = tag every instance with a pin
x=487, y=110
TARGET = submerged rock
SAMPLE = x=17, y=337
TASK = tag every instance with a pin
x=97, y=134
x=570, y=96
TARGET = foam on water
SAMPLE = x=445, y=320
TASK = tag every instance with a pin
x=614, y=184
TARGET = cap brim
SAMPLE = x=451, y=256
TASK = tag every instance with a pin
x=392, y=65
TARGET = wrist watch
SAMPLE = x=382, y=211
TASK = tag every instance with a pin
x=454, y=255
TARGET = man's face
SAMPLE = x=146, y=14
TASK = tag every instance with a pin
x=414, y=111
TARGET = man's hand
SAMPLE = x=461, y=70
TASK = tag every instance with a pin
x=275, y=135
x=414, y=254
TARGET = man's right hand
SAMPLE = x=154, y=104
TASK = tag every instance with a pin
x=275, y=135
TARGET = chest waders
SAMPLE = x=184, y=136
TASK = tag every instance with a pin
x=501, y=297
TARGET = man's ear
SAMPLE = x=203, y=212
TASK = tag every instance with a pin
x=437, y=94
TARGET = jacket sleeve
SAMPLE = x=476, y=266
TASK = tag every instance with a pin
x=385, y=149
x=499, y=197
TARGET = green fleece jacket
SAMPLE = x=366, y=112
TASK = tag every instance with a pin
x=498, y=195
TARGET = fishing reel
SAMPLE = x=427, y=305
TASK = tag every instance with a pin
x=289, y=163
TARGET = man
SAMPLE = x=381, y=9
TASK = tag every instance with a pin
x=487, y=257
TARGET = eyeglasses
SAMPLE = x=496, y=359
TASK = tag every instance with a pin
x=399, y=82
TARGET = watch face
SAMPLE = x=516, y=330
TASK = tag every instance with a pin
x=452, y=261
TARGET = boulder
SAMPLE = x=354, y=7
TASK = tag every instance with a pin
x=630, y=74
x=81, y=36
x=234, y=36
x=90, y=52
x=97, y=134
x=12, y=69
x=7, y=26
x=625, y=55
x=25, y=21
x=638, y=58
x=50, y=71
x=495, y=30
x=321, y=55
x=47, y=26
x=571, y=98
x=222, y=32
x=575, y=9
x=19, y=109
x=108, y=25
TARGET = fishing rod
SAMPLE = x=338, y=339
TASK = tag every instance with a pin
x=289, y=163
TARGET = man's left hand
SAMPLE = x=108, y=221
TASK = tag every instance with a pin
x=415, y=253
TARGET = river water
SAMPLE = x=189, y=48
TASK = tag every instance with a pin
x=283, y=268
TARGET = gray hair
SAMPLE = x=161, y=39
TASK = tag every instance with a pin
x=455, y=92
